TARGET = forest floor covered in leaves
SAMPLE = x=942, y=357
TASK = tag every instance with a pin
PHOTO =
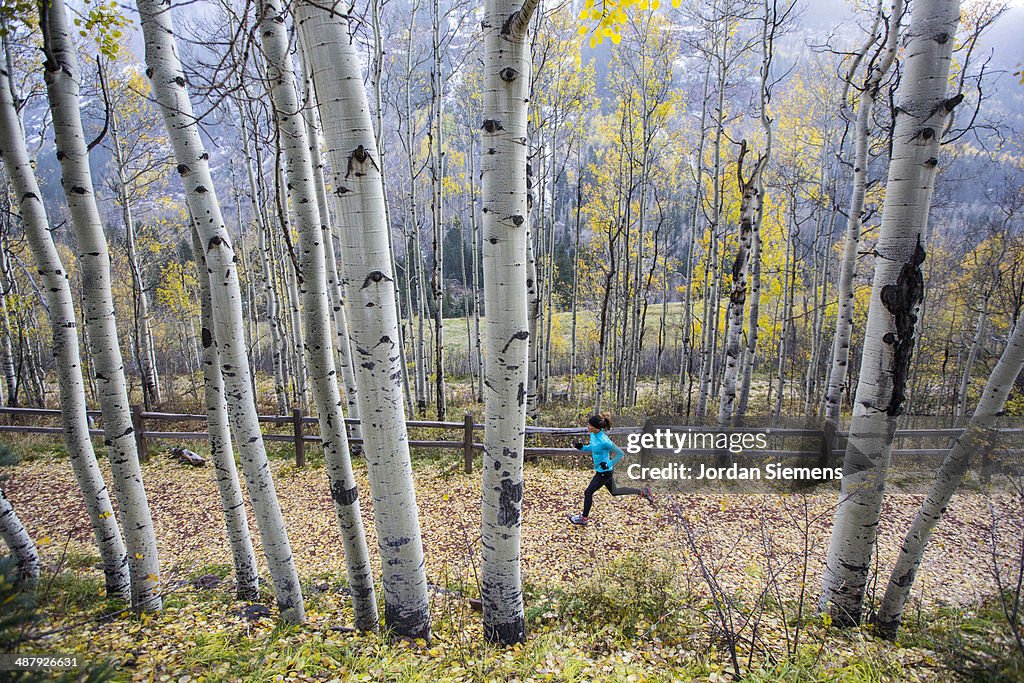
x=640, y=594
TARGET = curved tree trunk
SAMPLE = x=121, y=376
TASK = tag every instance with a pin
x=23, y=548
x=67, y=358
x=505, y=232
x=978, y=437
x=62, y=78
x=168, y=84
x=367, y=270
x=315, y=309
x=246, y=572
x=922, y=110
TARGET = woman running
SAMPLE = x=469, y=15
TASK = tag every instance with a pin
x=601, y=449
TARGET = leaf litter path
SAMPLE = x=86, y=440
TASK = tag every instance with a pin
x=731, y=533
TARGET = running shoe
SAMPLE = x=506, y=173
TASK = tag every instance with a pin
x=579, y=520
x=647, y=495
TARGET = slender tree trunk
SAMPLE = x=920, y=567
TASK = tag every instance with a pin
x=895, y=297
x=972, y=354
x=507, y=67
x=168, y=84
x=343, y=348
x=221, y=453
x=847, y=266
x=738, y=296
x=61, y=75
x=367, y=267
x=143, y=328
x=977, y=437
x=22, y=547
x=436, y=144
x=6, y=348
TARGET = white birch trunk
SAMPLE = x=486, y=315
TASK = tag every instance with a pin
x=221, y=453
x=62, y=77
x=143, y=333
x=23, y=548
x=862, y=138
x=315, y=309
x=977, y=437
x=367, y=272
x=343, y=349
x=507, y=67
x=738, y=296
x=164, y=69
x=922, y=109
x=972, y=354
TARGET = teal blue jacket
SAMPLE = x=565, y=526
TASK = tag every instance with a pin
x=601, y=447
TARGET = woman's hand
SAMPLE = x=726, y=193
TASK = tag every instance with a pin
x=577, y=445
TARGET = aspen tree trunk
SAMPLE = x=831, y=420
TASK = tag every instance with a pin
x=753, y=318
x=977, y=437
x=61, y=75
x=847, y=266
x=221, y=453
x=972, y=354
x=738, y=296
x=895, y=297
x=437, y=181
x=574, y=299
x=143, y=331
x=685, y=371
x=291, y=279
x=264, y=248
x=507, y=79
x=336, y=296
x=22, y=547
x=477, y=342
x=6, y=349
x=319, y=350
x=367, y=271
x=164, y=69
x=533, y=299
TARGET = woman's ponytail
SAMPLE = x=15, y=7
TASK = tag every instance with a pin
x=606, y=420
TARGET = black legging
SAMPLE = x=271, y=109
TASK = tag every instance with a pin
x=604, y=479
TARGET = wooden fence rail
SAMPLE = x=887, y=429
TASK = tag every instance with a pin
x=825, y=446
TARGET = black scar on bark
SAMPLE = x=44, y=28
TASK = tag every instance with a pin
x=342, y=495
x=492, y=125
x=375, y=276
x=901, y=299
x=508, y=74
x=207, y=338
x=508, y=503
x=521, y=335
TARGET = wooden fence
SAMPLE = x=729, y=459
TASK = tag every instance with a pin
x=826, y=447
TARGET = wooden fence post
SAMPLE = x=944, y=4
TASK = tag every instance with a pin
x=645, y=453
x=139, y=427
x=467, y=443
x=300, y=443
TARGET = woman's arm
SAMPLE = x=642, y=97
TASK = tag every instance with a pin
x=618, y=453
